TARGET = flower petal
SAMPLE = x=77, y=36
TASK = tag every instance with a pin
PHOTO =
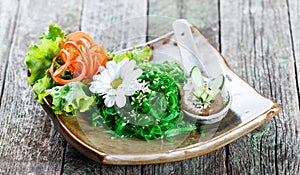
x=132, y=76
x=111, y=65
x=99, y=79
x=120, y=100
x=96, y=77
x=111, y=92
x=121, y=64
x=134, y=86
x=94, y=88
x=106, y=77
x=130, y=65
x=101, y=69
x=109, y=100
x=99, y=86
x=125, y=70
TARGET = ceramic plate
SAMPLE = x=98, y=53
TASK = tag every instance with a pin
x=248, y=110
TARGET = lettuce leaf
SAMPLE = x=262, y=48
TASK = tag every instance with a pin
x=41, y=85
x=39, y=58
x=140, y=56
x=70, y=98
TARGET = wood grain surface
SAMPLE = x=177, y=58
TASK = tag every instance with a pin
x=259, y=38
x=29, y=143
x=294, y=16
x=256, y=39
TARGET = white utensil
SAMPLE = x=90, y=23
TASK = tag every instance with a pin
x=190, y=58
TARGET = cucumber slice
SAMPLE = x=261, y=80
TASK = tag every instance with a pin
x=206, y=92
x=196, y=77
x=215, y=85
x=197, y=80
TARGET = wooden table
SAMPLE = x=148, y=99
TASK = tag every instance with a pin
x=259, y=38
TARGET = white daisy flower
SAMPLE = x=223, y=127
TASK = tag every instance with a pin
x=116, y=81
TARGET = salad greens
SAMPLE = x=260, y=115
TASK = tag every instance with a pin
x=66, y=99
x=153, y=112
x=171, y=69
x=69, y=98
x=42, y=85
x=39, y=59
x=140, y=56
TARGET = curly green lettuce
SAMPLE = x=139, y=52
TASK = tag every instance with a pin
x=41, y=85
x=139, y=55
x=39, y=58
x=70, y=98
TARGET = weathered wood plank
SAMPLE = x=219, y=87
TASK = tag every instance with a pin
x=294, y=15
x=29, y=143
x=204, y=14
x=8, y=15
x=256, y=39
x=117, y=24
x=161, y=15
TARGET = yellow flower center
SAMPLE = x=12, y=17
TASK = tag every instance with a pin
x=116, y=83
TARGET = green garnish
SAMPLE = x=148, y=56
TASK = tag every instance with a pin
x=140, y=56
x=206, y=91
x=39, y=59
x=171, y=69
x=154, y=111
x=70, y=98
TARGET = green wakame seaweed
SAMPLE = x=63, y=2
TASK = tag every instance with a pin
x=152, y=112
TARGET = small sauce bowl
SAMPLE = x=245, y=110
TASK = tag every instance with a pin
x=215, y=112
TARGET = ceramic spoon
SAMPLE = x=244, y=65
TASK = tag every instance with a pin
x=187, y=47
x=189, y=59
